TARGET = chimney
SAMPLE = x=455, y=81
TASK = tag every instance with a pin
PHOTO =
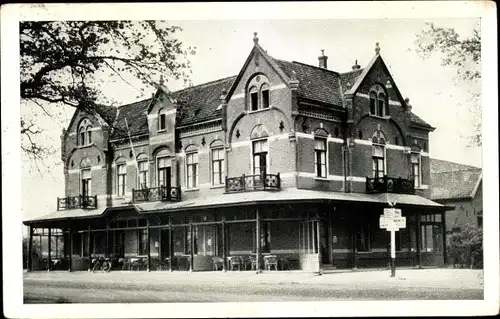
x=322, y=60
x=356, y=66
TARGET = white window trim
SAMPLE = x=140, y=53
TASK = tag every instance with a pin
x=197, y=171
x=157, y=160
x=268, y=162
x=148, y=182
x=210, y=170
x=420, y=184
x=326, y=157
x=118, y=181
x=385, y=156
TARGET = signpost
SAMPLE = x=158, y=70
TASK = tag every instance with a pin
x=392, y=221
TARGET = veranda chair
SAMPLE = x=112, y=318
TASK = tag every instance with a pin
x=271, y=261
x=234, y=261
x=252, y=262
x=218, y=263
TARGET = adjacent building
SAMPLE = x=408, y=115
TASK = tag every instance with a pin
x=285, y=165
x=459, y=186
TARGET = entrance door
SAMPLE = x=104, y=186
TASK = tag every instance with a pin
x=308, y=246
x=165, y=244
x=165, y=179
x=324, y=242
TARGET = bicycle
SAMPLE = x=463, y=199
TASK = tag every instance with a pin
x=102, y=264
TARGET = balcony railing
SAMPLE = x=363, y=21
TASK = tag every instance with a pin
x=72, y=202
x=390, y=185
x=164, y=193
x=247, y=183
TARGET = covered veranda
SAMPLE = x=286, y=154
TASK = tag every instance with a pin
x=292, y=229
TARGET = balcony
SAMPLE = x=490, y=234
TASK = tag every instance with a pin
x=390, y=185
x=163, y=193
x=72, y=202
x=247, y=183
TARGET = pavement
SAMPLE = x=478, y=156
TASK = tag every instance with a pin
x=179, y=286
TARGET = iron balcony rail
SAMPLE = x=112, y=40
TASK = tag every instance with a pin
x=80, y=201
x=258, y=182
x=164, y=193
x=390, y=185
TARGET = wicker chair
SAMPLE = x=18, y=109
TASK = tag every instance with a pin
x=218, y=263
x=271, y=261
x=234, y=261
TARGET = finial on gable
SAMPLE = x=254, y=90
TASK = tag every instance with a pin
x=255, y=38
x=161, y=80
x=377, y=48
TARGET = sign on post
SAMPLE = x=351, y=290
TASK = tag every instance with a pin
x=392, y=221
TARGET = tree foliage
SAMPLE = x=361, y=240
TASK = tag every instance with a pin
x=464, y=55
x=465, y=247
x=69, y=62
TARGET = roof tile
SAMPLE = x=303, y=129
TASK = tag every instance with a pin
x=453, y=180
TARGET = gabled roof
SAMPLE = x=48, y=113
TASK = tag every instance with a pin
x=198, y=103
x=315, y=83
x=451, y=180
x=201, y=102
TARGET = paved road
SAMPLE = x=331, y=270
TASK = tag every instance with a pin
x=124, y=287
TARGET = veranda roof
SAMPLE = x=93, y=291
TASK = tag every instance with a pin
x=286, y=195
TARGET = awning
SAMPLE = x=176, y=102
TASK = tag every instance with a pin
x=287, y=195
x=67, y=214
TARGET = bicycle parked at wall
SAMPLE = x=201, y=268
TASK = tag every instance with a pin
x=101, y=264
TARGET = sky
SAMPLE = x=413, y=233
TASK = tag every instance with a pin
x=222, y=47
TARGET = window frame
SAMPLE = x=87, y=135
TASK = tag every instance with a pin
x=121, y=177
x=376, y=96
x=86, y=180
x=162, y=119
x=265, y=142
x=143, y=174
x=195, y=165
x=318, y=152
x=258, y=84
x=221, y=165
x=419, y=167
x=376, y=161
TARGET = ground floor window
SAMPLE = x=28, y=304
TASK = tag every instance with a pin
x=363, y=240
x=142, y=242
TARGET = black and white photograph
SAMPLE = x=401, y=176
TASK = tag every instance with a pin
x=250, y=159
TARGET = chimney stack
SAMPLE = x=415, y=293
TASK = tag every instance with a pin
x=322, y=60
x=356, y=66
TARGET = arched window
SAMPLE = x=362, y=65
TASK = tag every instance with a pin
x=191, y=166
x=264, y=91
x=89, y=134
x=378, y=154
x=85, y=133
x=258, y=93
x=162, y=120
x=378, y=101
x=320, y=151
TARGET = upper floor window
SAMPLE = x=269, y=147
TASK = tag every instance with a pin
x=192, y=167
x=320, y=156
x=415, y=168
x=142, y=174
x=258, y=93
x=260, y=151
x=162, y=120
x=85, y=133
x=378, y=154
x=378, y=101
x=86, y=177
x=122, y=178
x=217, y=166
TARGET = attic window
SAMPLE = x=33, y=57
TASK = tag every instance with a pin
x=258, y=93
x=161, y=120
x=265, y=96
x=85, y=133
x=254, y=99
x=378, y=101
